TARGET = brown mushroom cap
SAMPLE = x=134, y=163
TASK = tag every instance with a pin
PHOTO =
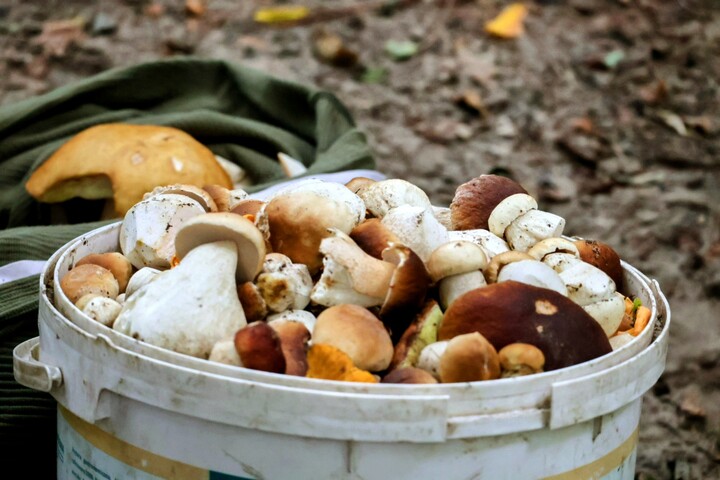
x=252, y=302
x=602, y=256
x=519, y=359
x=89, y=278
x=219, y=226
x=123, y=162
x=116, y=262
x=294, y=337
x=259, y=348
x=200, y=195
x=469, y=358
x=409, y=375
x=356, y=183
x=512, y=312
x=421, y=333
x=406, y=293
x=373, y=237
x=358, y=333
x=475, y=200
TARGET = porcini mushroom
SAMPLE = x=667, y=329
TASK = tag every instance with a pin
x=284, y=285
x=456, y=267
x=417, y=228
x=469, y=357
x=89, y=279
x=191, y=307
x=511, y=312
x=602, y=256
x=475, y=200
x=116, y=262
x=259, y=348
x=358, y=333
x=517, y=219
x=519, y=359
x=382, y=196
x=298, y=218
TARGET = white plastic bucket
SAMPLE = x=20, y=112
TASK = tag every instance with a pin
x=130, y=410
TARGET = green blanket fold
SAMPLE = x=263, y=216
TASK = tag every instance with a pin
x=241, y=114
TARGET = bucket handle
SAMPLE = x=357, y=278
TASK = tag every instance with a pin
x=31, y=372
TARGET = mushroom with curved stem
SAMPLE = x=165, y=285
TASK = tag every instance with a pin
x=456, y=267
x=147, y=233
x=191, y=307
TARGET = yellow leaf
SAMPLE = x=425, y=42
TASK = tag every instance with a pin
x=289, y=13
x=509, y=24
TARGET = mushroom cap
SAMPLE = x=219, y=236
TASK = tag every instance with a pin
x=521, y=359
x=252, y=301
x=456, y=257
x=373, y=237
x=225, y=199
x=358, y=333
x=248, y=206
x=259, y=347
x=511, y=312
x=533, y=272
x=299, y=217
x=356, y=183
x=509, y=210
x=116, y=262
x=602, y=256
x=409, y=375
x=421, y=333
x=492, y=244
x=417, y=228
x=89, y=278
x=552, y=245
x=382, y=196
x=219, y=226
x=198, y=194
x=408, y=285
x=124, y=162
x=294, y=338
x=498, y=262
x=469, y=358
x=475, y=200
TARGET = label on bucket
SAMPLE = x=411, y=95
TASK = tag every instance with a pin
x=86, y=452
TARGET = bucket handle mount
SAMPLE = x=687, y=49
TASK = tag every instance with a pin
x=31, y=372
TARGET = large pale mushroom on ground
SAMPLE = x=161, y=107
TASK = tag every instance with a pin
x=123, y=162
x=191, y=307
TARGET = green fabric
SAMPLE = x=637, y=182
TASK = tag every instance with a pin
x=241, y=114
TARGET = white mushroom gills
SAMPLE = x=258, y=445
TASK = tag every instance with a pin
x=147, y=233
x=191, y=307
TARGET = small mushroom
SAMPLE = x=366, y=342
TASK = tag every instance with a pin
x=475, y=200
x=518, y=221
x=410, y=375
x=294, y=338
x=224, y=198
x=147, y=233
x=382, y=196
x=602, y=256
x=259, y=348
x=140, y=278
x=89, y=279
x=511, y=312
x=429, y=359
x=193, y=306
x=358, y=333
x=299, y=217
x=284, y=285
x=519, y=359
x=101, y=309
x=469, y=358
x=417, y=228
x=457, y=268
x=119, y=266
x=249, y=207
x=373, y=237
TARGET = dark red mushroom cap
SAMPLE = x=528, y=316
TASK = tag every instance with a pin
x=475, y=200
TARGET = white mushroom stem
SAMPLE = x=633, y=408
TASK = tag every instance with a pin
x=608, y=313
x=531, y=227
x=417, y=228
x=300, y=316
x=350, y=275
x=191, y=307
x=148, y=230
x=381, y=197
x=450, y=288
x=619, y=341
x=101, y=309
x=224, y=351
x=492, y=244
x=139, y=279
x=429, y=359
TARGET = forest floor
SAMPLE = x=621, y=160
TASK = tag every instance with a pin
x=607, y=111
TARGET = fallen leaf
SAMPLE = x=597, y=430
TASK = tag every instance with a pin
x=155, y=10
x=330, y=48
x=374, y=75
x=582, y=124
x=57, y=35
x=472, y=100
x=691, y=403
x=401, y=49
x=654, y=93
x=509, y=23
x=613, y=59
x=289, y=13
x=481, y=68
x=672, y=120
x=701, y=123
x=195, y=7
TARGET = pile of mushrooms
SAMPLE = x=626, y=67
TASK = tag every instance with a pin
x=365, y=282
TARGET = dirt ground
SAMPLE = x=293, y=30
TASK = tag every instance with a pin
x=608, y=111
